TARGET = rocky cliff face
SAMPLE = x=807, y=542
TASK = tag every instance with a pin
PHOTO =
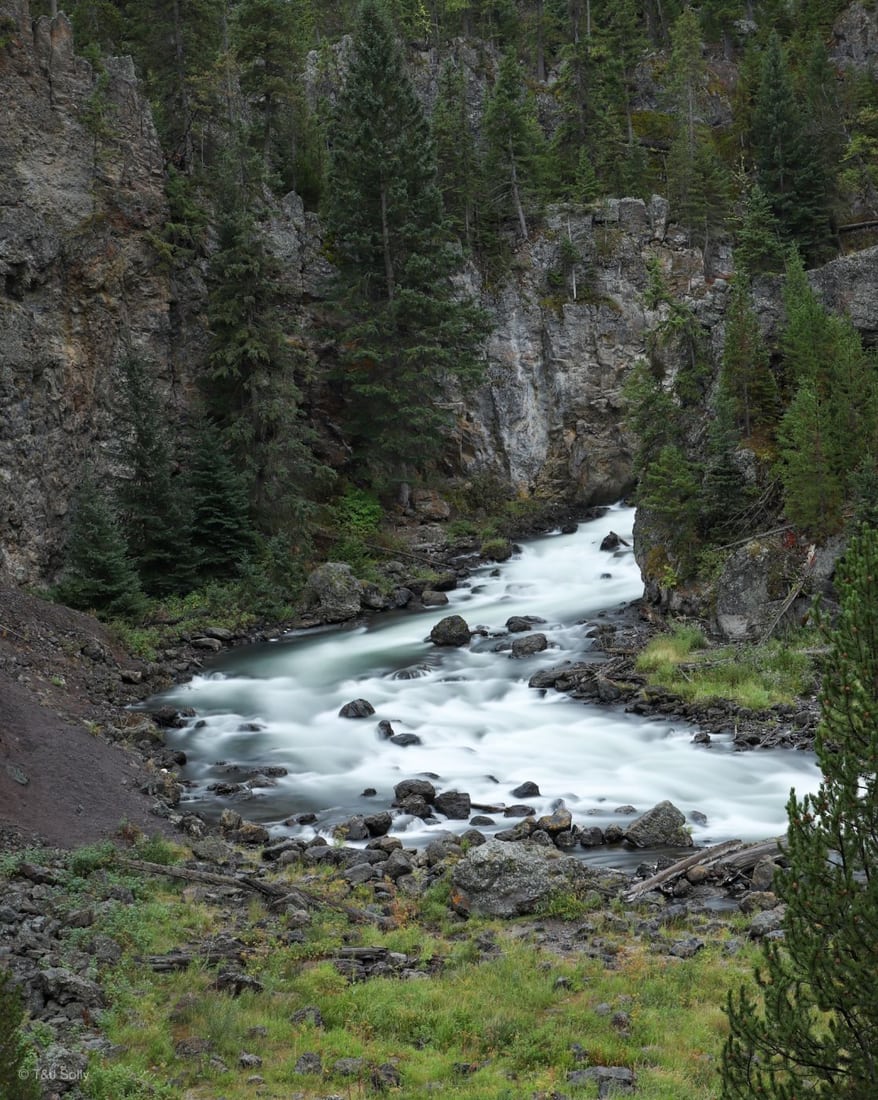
x=550, y=419
x=80, y=284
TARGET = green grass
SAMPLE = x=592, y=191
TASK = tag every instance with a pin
x=514, y=1019
x=753, y=676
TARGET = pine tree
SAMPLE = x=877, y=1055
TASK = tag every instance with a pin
x=405, y=333
x=251, y=390
x=670, y=490
x=813, y=492
x=515, y=144
x=792, y=177
x=456, y=154
x=817, y=1031
x=176, y=43
x=270, y=39
x=151, y=508
x=806, y=340
x=221, y=534
x=651, y=414
x=758, y=245
x=98, y=576
x=746, y=375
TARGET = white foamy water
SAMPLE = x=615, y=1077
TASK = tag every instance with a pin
x=482, y=729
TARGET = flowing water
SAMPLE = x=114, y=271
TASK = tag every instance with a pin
x=482, y=729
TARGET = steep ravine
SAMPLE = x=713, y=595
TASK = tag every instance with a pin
x=83, y=284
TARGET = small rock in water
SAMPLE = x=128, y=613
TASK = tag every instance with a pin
x=405, y=739
x=528, y=789
x=385, y=729
x=357, y=708
x=533, y=643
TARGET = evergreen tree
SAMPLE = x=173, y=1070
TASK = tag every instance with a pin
x=806, y=340
x=270, y=40
x=405, y=333
x=725, y=494
x=758, y=246
x=98, y=576
x=456, y=155
x=221, y=534
x=176, y=43
x=813, y=492
x=791, y=175
x=670, y=490
x=817, y=1030
x=149, y=497
x=651, y=414
x=250, y=390
x=746, y=375
x=265, y=36
x=515, y=144
x=851, y=396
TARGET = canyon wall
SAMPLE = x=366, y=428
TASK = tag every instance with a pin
x=85, y=282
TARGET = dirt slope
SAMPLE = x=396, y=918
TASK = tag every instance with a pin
x=61, y=781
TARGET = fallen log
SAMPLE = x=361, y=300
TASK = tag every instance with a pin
x=275, y=893
x=748, y=857
x=241, y=882
x=705, y=857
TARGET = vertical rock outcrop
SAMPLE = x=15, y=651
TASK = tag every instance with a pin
x=565, y=336
x=81, y=285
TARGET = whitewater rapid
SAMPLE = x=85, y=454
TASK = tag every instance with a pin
x=482, y=729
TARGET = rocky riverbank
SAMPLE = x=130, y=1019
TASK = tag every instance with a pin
x=65, y=923
x=72, y=928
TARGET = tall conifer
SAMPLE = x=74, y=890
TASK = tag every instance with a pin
x=405, y=332
x=149, y=495
x=816, y=1032
x=791, y=175
x=99, y=575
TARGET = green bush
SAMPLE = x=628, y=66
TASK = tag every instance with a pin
x=84, y=861
x=496, y=550
x=358, y=513
x=124, y=1083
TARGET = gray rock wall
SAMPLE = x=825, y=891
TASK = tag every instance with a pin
x=80, y=283
x=550, y=419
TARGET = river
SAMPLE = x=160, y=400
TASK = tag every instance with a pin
x=482, y=729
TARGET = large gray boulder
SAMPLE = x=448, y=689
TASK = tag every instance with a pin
x=452, y=630
x=661, y=827
x=332, y=593
x=509, y=878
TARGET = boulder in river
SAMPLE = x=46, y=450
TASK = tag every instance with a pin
x=454, y=804
x=612, y=541
x=357, y=708
x=452, y=630
x=661, y=827
x=405, y=739
x=407, y=787
x=533, y=643
x=431, y=598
